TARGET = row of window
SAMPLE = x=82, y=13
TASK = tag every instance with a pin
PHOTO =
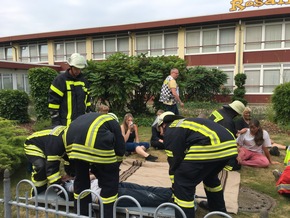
x=208, y=39
x=260, y=78
x=15, y=81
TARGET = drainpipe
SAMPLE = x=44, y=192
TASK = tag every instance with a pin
x=15, y=51
x=240, y=44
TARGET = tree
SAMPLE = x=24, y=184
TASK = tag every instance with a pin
x=40, y=80
x=202, y=83
x=240, y=91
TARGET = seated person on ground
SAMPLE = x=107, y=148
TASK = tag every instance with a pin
x=253, y=145
x=131, y=137
x=157, y=136
x=243, y=122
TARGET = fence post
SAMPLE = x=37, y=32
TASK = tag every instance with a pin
x=7, y=194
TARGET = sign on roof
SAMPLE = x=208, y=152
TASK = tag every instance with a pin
x=240, y=5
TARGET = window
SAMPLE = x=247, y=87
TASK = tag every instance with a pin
x=253, y=37
x=157, y=43
x=227, y=39
x=64, y=49
x=271, y=78
x=210, y=40
x=192, y=42
x=11, y=80
x=287, y=35
x=33, y=53
x=273, y=36
x=43, y=53
x=8, y=54
x=253, y=81
x=141, y=44
x=103, y=47
x=7, y=81
x=265, y=78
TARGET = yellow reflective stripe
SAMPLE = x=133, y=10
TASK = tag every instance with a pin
x=110, y=199
x=211, y=156
x=228, y=168
x=94, y=128
x=184, y=204
x=92, y=159
x=64, y=138
x=169, y=153
x=69, y=102
x=83, y=195
x=213, y=189
x=120, y=158
x=56, y=131
x=37, y=183
x=204, y=130
x=33, y=151
x=88, y=104
x=54, y=177
x=171, y=178
x=53, y=106
x=53, y=158
x=218, y=116
x=39, y=134
x=56, y=90
x=80, y=152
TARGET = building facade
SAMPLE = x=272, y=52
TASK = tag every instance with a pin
x=255, y=42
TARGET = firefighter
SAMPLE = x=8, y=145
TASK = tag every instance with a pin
x=69, y=93
x=44, y=150
x=225, y=115
x=95, y=143
x=200, y=149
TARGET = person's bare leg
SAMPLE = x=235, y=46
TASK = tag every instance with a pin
x=139, y=150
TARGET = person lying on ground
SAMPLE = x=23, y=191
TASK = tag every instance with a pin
x=147, y=196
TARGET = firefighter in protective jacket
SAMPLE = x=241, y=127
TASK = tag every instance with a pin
x=69, y=93
x=200, y=148
x=95, y=143
x=44, y=150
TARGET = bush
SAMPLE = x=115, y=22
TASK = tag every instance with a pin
x=281, y=103
x=240, y=91
x=202, y=84
x=40, y=80
x=14, y=105
x=11, y=145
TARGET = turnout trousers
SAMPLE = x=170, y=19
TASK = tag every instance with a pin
x=108, y=177
x=188, y=175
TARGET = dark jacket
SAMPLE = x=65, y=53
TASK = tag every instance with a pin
x=48, y=144
x=95, y=138
x=225, y=117
x=198, y=140
x=68, y=98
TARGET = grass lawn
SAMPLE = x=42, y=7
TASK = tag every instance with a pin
x=260, y=180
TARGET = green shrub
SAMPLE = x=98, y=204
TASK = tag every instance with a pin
x=281, y=103
x=41, y=124
x=11, y=145
x=14, y=105
x=240, y=91
x=40, y=80
x=202, y=84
